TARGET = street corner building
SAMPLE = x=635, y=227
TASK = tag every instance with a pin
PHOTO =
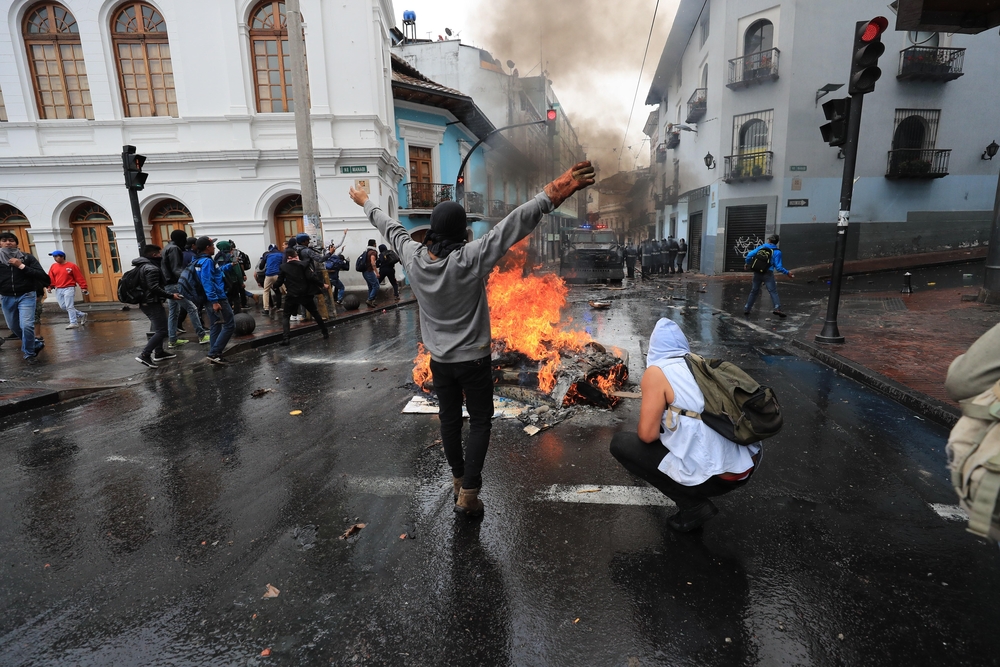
x=203, y=89
x=737, y=154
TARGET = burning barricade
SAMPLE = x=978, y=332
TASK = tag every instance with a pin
x=539, y=359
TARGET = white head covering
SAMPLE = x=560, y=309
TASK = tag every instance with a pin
x=666, y=342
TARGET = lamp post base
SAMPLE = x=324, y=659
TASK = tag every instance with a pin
x=830, y=333
x=829, y=339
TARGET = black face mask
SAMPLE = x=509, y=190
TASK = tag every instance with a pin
x=447, y=234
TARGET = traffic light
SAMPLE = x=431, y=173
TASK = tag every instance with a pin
x=837, y=112
x=135, y=177
x=550, y=120
x=868, y=47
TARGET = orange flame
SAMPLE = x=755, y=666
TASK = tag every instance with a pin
x=422, y=367
x=525, y=315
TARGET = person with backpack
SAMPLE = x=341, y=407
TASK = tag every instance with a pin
x=764, y=260
x=149, y=286
x=335, y=262
x=64, y=276
x=673, y=448
x=682, y=251
x=270, y=264
x=448, y=275
x=220, y=312
x=387, y=261
x=21, y=276
x=175, y=258
x=301, y=285
x=234, y=278
x=367, y=264
x=314, y=259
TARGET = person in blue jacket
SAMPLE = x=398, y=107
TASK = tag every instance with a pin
x=220, y=313
x=766, y=277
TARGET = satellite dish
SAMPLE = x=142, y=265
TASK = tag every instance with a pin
x=510, y=64
x=447, y=31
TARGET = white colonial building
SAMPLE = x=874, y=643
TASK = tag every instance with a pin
x=203, y=90
x=741, y=83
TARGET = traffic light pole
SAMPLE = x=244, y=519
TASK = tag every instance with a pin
x=128, y=161
x=303, y=124
x=830, y=332
x=459, y=186
x=140, y=234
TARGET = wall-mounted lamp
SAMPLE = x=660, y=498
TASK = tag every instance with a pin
x=990, y=151
x=710, y=161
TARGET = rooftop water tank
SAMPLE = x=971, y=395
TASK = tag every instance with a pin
x=409, y=16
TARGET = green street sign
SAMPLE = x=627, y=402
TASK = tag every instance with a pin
x=798, y=167
x=354, y=170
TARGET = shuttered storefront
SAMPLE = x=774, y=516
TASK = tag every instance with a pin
x=745, y=229
x=694, y=241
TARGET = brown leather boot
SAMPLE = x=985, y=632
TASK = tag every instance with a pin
x=469, y=503
x=456, y=485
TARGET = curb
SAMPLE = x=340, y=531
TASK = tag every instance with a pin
x=931, y=408
x=40, y=395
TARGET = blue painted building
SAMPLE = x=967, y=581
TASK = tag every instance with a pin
x=436, y=127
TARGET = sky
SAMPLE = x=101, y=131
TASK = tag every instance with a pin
x=592, y=50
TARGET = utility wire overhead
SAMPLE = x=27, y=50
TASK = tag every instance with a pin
x=638, y=82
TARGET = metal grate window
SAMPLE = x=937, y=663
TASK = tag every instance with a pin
x=915, y=128
x=752, y=132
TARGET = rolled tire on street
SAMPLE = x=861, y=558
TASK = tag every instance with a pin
x=244, y=324
x=351, y=302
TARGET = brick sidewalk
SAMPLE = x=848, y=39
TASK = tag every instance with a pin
x=911, y=338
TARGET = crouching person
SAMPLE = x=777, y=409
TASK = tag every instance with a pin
x=673, y=449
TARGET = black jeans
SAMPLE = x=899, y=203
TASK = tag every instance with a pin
x=292, y=304
x=475, y=380
x=643, y=459
x=391, y=275
x=157, y=315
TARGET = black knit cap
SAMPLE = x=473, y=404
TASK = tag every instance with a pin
x=448, y=221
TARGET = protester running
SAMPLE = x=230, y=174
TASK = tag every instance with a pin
x=220, y=313
x=764, y=260
x=151, y=304
x=301, y=285
x=448, y=277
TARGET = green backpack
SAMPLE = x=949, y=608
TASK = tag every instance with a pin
x=736, y=406
x=974, y=460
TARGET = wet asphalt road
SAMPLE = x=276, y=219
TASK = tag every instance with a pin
x=142, y=526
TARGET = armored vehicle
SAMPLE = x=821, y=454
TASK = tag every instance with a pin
x=591, y=255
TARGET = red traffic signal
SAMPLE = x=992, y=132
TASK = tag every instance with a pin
x=867, y=49
x=874, y=28
x=550, y=115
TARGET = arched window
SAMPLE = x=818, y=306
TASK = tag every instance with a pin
x=759, y=37
x=145, y=73
x=288, y=219
x=704, y=76
x=930, y=40
x=55, y=57
x=15, y=222
x=272, y=73
x=753, y=136
x=168, y=216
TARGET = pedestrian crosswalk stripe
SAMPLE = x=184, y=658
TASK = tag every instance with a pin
x=598, y=494
x=949, y=512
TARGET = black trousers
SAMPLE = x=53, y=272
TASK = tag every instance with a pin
x=643, y=459
x=391, y=275
x=292, y=304
x=630, y=267
x=671, y=262
x=680, y=261
x=157, y=315
x=474, y=379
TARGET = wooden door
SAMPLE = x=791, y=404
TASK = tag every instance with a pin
x=162, y=230
x=288, y=220
x=421, y=174
x=165, y=218
x=97, y=255
x=15, y=222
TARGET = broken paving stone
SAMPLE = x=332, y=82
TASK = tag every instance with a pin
x=271, y=592
x=257, y=393
x=305, y=536
x=353, y=530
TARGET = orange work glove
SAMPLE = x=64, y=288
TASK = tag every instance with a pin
x=579, y=176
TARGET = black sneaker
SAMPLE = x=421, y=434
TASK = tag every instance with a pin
x=687, y=520
x=12, y=336
x=146, y=361
x=779, y=314
x=163, y=356
x=180, y=331
x=746, y=313
x=217, y=360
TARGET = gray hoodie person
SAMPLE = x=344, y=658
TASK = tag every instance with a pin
x=451, y=291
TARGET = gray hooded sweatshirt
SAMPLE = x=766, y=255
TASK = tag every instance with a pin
x=451, y=291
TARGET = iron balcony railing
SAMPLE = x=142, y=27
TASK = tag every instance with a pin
x=918, y=163
x=924, y=63
x=753, y=68
x=697, y=105
x=496, y=208
x=475, y=203
x=749, y=167
x=428, y=195
x=673, y=139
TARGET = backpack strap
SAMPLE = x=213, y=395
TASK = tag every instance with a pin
x=674, y=410
x=984, y=504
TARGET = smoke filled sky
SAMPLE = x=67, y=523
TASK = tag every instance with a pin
x=592, y=50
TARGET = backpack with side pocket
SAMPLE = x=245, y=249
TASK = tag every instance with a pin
x=389, y=259
x=189, y=284
x=361, y=263
x=974, y=461
x=130, y=288
x=761, y=261
x=736, y=406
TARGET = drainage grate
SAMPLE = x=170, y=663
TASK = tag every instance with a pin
x=874, y=304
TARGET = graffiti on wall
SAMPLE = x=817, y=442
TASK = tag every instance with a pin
x=745, y=244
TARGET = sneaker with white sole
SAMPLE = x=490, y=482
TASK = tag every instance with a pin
x=73, y=325
x=217, y=360
x=81, y=319
x=146, y=361
x=163, y=357
x=204, y=340
x=177, y=343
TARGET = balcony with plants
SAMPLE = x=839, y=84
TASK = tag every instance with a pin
x=916, y=163
x=749, y=167
x=753, y=68
x=925, y=63
x=427, y=195
x=697, y=105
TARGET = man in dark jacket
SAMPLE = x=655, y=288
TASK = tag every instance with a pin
x=682, y=251
x=172, y=263
x=301, y=286
x=672, y=250
x=630, y=256
x=314, y=259
x=234, y=274
x=151, y=305
x=21, y=276
x=387, y=268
